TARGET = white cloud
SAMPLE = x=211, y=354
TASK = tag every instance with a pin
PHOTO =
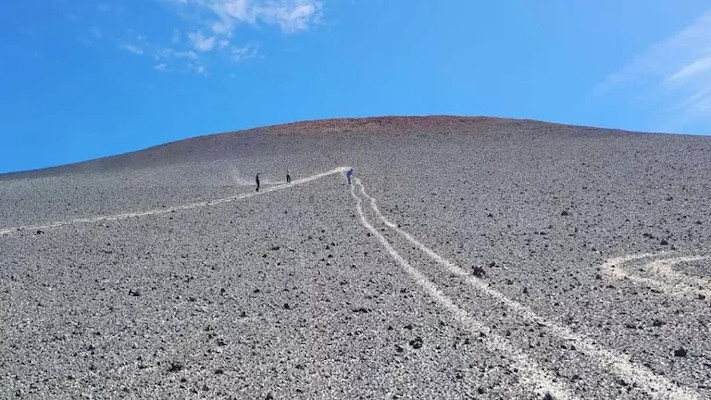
x=201, y=42
x=198, y=69
x=673, y=74
x=222, y=28
x=164, y=54
x=241, y=53
x=291, y=17
x=207, y=35
x=132, y=48
x=694, y=69
x=225, y=15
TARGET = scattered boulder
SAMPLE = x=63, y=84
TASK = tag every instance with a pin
x=175, y=367
x=680, y=352
x=416, y=343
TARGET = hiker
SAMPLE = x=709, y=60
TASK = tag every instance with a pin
x=349, y=174
x=288, y=176
x=257, y=179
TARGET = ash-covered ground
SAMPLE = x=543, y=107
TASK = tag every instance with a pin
x=512, y=259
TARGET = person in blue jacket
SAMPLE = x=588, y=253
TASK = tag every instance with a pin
x=349, y=175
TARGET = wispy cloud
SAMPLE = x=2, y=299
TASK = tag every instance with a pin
x=212, y=32
x=244, y=52
x=132, y=48
x=223, y=17
x=201, y=42
x=673, y=74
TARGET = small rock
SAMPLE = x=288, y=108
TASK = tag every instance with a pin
x=548, y=396
x=702, y=297
x=269, y=397
x=275, y=248
x=664, y=242
x=657, y=323
x=416, y=343
x=478, y=271
x=480, y=390
x=680, y=352
x=565, y=213
x=175, y=367
x=39, y=232
x=219, y=372
x=134, y=292
x=287, y=306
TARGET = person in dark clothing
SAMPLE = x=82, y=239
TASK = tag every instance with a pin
x=257, y=179
x=349, y=175
x=288, y=176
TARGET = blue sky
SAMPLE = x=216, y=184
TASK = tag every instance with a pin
x=83, y=79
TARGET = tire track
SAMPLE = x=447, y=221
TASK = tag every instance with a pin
x=159, y=211
x=657, y=387
x=530, y=372
x=682, y=284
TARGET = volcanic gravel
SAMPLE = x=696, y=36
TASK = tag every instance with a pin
x=286, y=295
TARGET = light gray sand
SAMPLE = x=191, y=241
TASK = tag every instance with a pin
x=315, y=306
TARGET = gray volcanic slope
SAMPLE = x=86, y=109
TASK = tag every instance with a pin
x=498, y=258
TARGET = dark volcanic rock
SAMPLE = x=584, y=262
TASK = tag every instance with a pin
x=495, y=183
x=175, y=367
x=416, y=343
